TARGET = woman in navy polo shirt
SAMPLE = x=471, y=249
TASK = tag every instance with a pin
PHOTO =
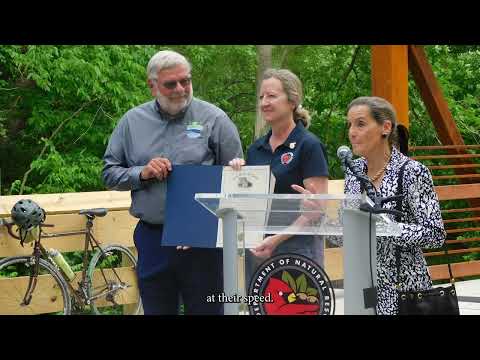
x=297, y=158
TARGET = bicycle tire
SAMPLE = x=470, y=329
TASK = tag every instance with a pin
x=39, y=299
x=104, y=261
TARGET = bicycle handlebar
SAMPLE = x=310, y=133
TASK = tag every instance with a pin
x=9, y=224
x=5, y=222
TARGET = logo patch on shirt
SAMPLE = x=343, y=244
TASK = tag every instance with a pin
x=194, y=130
x=286, y=158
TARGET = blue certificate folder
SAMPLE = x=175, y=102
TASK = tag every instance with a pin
x=187, y=222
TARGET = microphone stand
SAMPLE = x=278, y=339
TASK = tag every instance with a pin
x=377, y=200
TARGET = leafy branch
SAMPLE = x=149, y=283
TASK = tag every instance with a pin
x=48, y=141
x=11, y=89
x=93, y=120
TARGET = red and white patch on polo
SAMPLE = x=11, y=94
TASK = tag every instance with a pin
x=286, y=158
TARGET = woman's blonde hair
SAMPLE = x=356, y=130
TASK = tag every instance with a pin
x=293, y=88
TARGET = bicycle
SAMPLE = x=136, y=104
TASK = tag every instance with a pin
x=102, y=289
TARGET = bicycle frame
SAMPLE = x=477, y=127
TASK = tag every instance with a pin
x=81, y=294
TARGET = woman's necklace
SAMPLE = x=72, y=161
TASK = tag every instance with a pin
x=382, y=170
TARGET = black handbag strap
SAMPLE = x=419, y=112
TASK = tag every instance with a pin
x=398, y=219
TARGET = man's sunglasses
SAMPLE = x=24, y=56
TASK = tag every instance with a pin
x=170, y=85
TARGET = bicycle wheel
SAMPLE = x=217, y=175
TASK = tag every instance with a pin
x=51, y=294
x=113, y=288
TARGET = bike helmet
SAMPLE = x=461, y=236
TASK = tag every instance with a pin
x=26, y=214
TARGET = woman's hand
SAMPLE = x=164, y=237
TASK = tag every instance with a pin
x=236, y=164
x=266, y=248
x=313, y=209
x=300, y=189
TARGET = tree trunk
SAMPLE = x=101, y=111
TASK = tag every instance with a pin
x=264, y=61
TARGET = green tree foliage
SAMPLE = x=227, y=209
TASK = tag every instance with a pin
x=59, y=104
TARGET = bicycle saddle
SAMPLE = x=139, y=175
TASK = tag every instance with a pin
x=100, y=212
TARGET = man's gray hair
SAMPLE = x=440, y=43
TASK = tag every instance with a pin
x=165, y=59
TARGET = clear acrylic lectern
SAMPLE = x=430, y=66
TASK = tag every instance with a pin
x=247, y=217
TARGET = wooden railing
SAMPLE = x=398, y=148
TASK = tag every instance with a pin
x=455, y=172
x=455, y=164
x=462, y=225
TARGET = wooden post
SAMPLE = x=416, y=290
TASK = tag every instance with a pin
x=390, y=77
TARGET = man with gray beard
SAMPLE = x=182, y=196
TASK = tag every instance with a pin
x=173, y=129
